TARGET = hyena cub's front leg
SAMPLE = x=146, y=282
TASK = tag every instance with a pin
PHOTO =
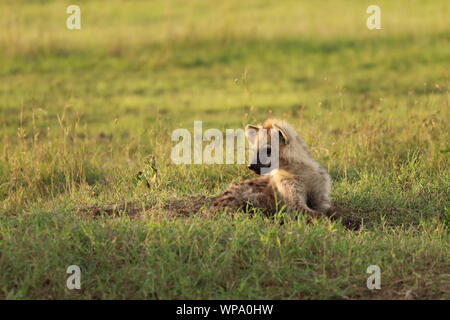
x=295, y=196
x=299, y=203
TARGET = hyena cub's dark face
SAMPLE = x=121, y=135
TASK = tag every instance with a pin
x=266, y=145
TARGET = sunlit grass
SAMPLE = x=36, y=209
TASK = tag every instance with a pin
x=80, y=111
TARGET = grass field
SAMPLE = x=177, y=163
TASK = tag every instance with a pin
x=82, y=111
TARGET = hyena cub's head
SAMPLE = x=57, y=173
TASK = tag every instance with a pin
x=275, y=145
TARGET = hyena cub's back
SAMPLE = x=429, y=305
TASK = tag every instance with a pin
x=246, y=194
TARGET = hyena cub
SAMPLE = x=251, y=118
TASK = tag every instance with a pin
x=298, y=181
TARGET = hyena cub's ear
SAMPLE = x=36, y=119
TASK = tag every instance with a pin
x=283, y=134
x=251, y=132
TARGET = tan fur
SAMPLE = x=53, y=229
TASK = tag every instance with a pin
x=300, y=183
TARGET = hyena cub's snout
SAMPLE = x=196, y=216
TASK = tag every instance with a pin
x=262, y=159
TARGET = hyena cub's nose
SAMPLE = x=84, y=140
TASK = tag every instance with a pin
x=255, y=168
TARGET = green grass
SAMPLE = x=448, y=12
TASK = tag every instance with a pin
x=80, y=112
